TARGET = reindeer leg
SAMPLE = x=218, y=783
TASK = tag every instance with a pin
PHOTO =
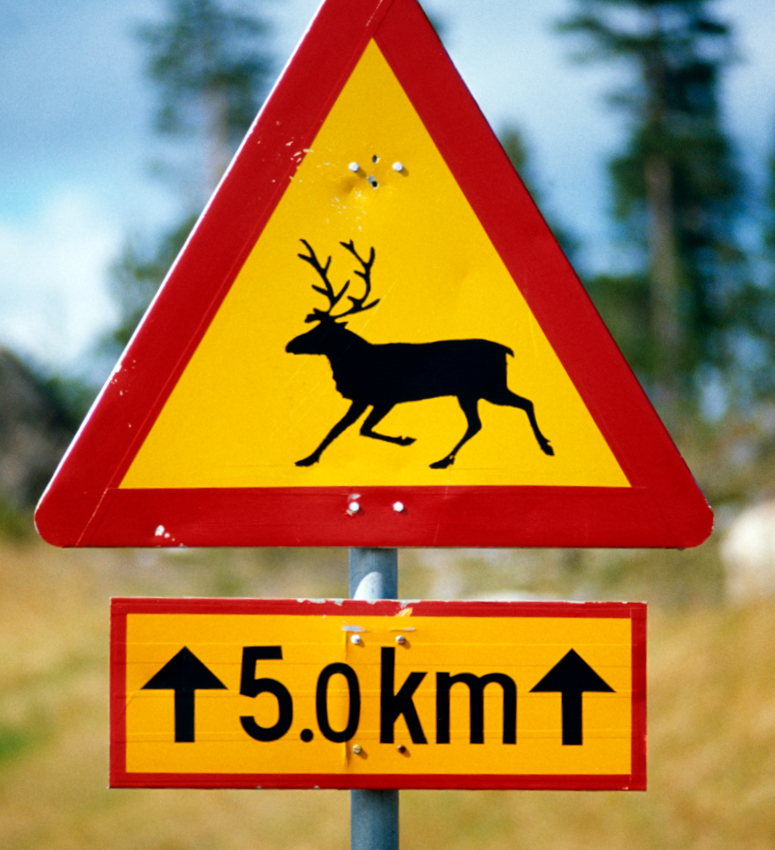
x=510, y=399
x=469, y=406
x=356, y=409
x=378, y=413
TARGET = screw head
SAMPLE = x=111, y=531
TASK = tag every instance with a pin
x=356, y=639
x=357, y=750
x=401, y=640
x=354, y=167
x=398, y=166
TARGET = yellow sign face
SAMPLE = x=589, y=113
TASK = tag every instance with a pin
x=247, y=410
x=224, y=693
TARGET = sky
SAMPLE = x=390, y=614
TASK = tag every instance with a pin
x=76, y=138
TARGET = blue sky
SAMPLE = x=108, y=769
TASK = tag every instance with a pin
x=76, y=140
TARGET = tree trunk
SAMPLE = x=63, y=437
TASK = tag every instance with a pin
x=665, y=276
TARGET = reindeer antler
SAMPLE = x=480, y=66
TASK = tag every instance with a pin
x=333, y=297
x=357, y=304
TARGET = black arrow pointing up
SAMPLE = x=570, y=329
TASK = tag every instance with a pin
x=184, y=674
x=571, y=677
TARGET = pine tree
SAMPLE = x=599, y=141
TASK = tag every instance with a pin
x=676, y=187
x=755, y=308
x=210, y=65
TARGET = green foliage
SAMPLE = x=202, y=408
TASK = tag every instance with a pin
x=38, y=418
x=756, y=303
x=210, y=65
x=136, y=276
x=677, y=191
x=18, y=741
x=623, y=300
x=14, y=525
x=70, y=397
x=514, y=145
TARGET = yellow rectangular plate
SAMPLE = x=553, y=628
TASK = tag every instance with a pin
x=348, y=694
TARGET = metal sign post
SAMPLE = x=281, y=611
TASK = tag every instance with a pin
x=373, y=814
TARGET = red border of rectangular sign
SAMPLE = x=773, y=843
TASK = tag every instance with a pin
x=84, y=506
x=121, y=608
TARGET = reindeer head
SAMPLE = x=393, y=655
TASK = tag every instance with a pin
x=319, y=339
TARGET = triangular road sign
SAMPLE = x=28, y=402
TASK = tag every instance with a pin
x=501, y=412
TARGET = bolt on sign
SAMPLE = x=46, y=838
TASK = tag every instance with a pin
x=349, y=694
x=372, y=338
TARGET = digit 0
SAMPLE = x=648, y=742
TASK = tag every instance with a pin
x=321, y=702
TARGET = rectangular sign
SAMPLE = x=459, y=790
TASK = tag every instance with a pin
x=209, y=693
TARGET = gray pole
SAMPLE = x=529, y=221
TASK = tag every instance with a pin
x=373, y=814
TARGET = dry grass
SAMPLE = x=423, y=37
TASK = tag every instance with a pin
x=711, y=709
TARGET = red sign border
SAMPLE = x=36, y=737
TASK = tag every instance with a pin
x=84, y=505
x=122, y=607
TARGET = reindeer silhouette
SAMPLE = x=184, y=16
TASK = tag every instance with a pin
x=382, y=376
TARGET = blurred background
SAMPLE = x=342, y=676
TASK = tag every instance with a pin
x=645, y=130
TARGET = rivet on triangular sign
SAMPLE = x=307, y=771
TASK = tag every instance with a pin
x=372, y=312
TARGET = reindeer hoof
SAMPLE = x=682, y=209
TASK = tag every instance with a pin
x=443, y=463
x=406, y=441
x=547, y=448
x=307, y=461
